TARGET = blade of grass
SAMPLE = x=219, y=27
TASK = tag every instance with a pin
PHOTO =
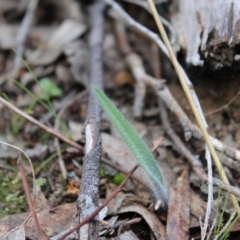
x=48, y=106
x=45, y=162
x=39, y=124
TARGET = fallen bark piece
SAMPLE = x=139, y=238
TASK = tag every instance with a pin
x=211, y=27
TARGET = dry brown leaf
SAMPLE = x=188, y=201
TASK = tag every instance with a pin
x=75, y=130
x=9, y=33
x=39, y=72
x=72, y=189
x=117, y=201
x=18, y=233
x=118, y=152
x=123, y=78
x=68, y=31
x=198, y=209
x=156, y=226
x=41, y=202
x=179, y=208
x=78, y=56
x=39, y=151
x=52, y=221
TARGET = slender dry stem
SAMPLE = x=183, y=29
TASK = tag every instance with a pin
x=195, y=163
x=190, y=100
x=40, y=125
x=117, y=13
x=28, y=196
x=97, y=210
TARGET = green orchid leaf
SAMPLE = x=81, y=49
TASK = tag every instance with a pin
x=132, y=139
x=49, y=89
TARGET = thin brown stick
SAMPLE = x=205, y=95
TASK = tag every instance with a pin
x=223, y=186
x=158, y=143
x=145, y=5
x=97, y=210
x=209, y=164
x=56, y=128
x=124, y=224
x=31, y=166
x=156, y=63
x=65, y=104
x=29, y=199
x=190, y=129
x=195, y=163
x=40, y=125
x=57, y=106
x=120, y=169
x=195, y=108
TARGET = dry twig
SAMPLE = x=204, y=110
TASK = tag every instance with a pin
x=196, y=108
x=121, y=225
x=31, y=166
x=132, y=23
x=120, y=169
x=40, y=125
x=57, y=145
x=97, y=210
x=225, y=106
x=88, y=196
x=167, y=24
x=195, y=163
x=28, y=196
x=135, y=63
x=56, y=128
x=190, y=129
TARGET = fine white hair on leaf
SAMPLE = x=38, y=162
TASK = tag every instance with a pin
x=159, y=194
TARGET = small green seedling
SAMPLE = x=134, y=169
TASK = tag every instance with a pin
x=41, y=181
x=118, y=178
x=102, y=172
x=135, y=144
x=48, y=89
x=17, y=121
